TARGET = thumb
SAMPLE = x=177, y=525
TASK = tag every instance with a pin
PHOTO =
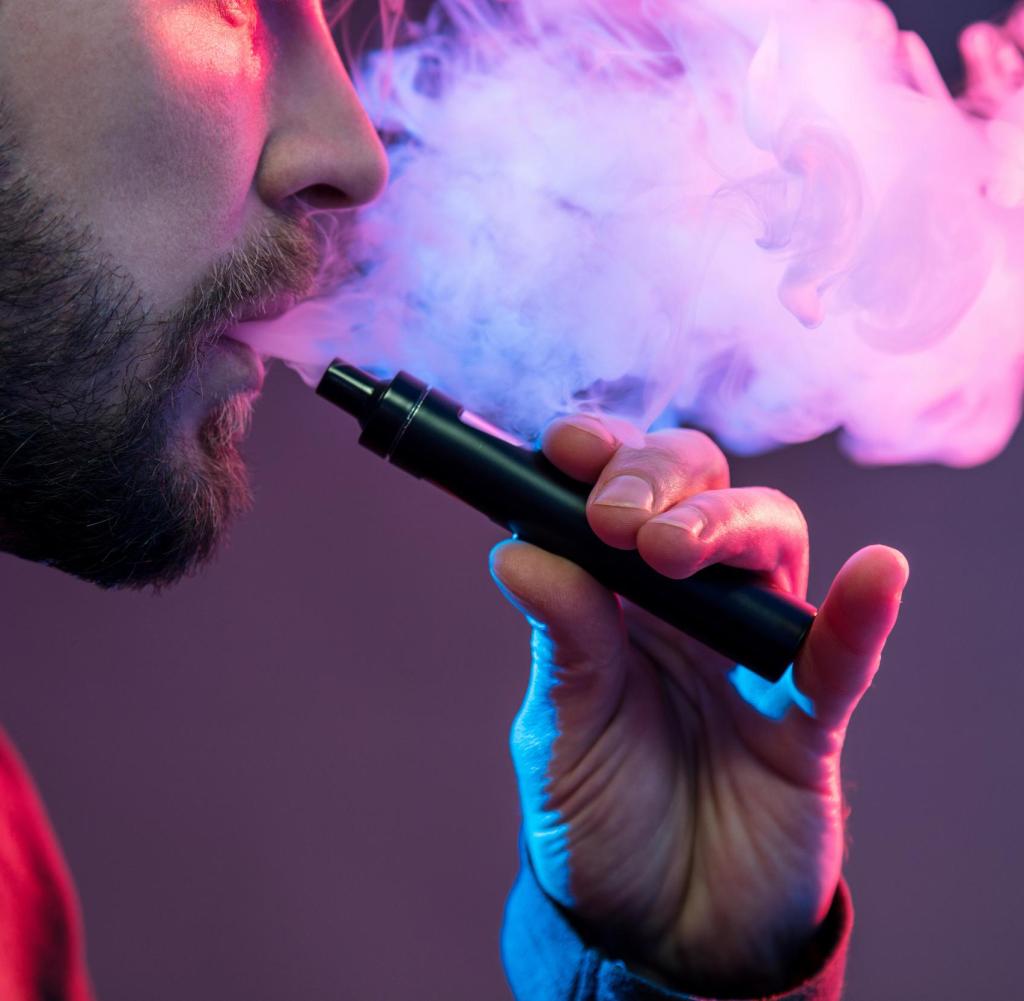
x=578, y=646
x=842, y=653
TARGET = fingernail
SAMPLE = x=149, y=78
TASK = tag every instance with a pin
x=689, y=519
x=592, y=427
x=627, y=491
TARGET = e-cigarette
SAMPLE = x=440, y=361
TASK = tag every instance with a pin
x=422, y=431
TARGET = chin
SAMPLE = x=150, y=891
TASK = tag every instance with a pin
x=222, y=476
x=226, y=425
x=184, y=515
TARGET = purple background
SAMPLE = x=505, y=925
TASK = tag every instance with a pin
x=288, y=778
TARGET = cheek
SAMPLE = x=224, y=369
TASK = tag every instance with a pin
x=194, y=133
x=208, y=42
x=151, y=129
x=177, y=150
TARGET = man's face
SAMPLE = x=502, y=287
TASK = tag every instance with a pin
x=158, y=163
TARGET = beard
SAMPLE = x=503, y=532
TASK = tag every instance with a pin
x=97, y=477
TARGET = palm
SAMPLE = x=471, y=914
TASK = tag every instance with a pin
x=686, y=790
x=687, y=832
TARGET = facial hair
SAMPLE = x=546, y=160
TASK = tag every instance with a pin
x=97, y=478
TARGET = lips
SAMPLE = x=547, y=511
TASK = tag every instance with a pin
x=245, y=363
x=241, y=368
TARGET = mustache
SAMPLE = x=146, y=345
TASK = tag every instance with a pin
x=285, y=260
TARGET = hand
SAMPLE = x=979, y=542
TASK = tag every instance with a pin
x=994, y=66
x=686, y=831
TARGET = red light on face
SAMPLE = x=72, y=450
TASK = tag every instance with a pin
x=203, y=44
x=238, y=12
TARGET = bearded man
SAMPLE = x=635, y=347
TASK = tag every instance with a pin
x=159, y=164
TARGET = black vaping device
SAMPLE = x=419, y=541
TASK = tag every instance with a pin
x=431, y=436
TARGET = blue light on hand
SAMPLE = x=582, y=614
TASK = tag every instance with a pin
x=770, y=698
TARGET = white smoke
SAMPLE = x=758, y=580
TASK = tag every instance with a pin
x=766, y=218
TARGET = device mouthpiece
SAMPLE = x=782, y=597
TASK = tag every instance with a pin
x=350, y=388
x=431, y=436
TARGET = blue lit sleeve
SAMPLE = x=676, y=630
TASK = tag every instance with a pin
x=547, y=960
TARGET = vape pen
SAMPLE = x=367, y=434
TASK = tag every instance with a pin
x=431, y=436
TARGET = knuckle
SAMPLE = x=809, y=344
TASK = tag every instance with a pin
x=720, y=473
x=785, y=505
x=703, y=457
x=643, y=466
x=674, y=460
x=717, y=506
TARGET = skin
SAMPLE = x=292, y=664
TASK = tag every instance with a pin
x=161, y=187
x=156, y=191
x=993, y=56
x=209, y=119
x=686, y=831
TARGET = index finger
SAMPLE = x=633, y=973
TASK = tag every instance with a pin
x=581, y=446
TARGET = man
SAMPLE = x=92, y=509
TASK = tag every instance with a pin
x=158, y=163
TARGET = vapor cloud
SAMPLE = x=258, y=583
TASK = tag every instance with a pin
x=766, y=218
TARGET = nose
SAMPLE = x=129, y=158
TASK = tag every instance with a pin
x=321, y=148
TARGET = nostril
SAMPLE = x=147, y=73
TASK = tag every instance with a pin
x=324, y=196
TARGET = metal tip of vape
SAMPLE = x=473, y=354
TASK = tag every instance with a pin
x=348, y=387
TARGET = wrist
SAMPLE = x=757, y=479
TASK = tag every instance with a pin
x=739, y=974
x=712, y=967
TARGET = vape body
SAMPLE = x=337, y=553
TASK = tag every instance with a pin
x=430, y=436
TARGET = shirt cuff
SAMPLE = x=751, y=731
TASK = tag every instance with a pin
x=546, y=958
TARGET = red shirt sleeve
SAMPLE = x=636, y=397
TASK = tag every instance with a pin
x=41, y=949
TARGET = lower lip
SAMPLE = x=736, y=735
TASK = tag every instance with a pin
x=233, y=367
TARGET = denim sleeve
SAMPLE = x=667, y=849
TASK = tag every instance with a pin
x=546, y=959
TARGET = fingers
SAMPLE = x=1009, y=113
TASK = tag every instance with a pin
x=1014, y=25
x=578, y=643
x=638, y=483
x=634, y=480
x=668, y=496
x=993, y=63
x=755, y=528
x=919, y=64
x=580, y=446
x=843, y=650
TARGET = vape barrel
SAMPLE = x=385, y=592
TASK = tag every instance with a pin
x=431, y=436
